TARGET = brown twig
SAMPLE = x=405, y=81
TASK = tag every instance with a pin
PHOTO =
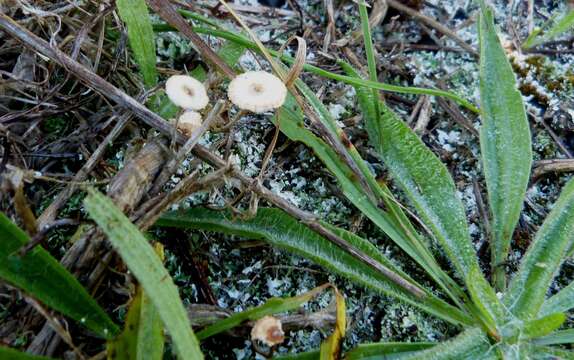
x=184, y=151
x=167, y=12
x=542, y=167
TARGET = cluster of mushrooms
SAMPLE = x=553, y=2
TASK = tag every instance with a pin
x=255, y=91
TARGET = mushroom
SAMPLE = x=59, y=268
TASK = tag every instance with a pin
x=186, y=92
x=268, y=330
x=188, y=122
x=257, y=91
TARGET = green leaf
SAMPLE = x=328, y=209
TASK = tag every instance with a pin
x=558, y=337
x=565, y=23
x=142, y=337
x=271, y=306
x=471, y=344
x=387, y=351
x=141, y=36
x=504, y=142
x=410, y=241
x=283, y=231
x=539, y=265
x=562, y=301
x=43, y=278
x=543, y=326
x=394, y=223
x=146, y=266
x=11, y=354
x=491, y=309
x=428, y=185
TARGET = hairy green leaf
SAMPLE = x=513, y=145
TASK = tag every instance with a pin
x=43, y=278
x=141, y=36
x=471, y=344
x=271, y=306
x=146, y=266
x=283, y=231
x=428, y=185
x=394, y=223
x=504, y=141
x=563, y=24
x=558, y=337
x=387, y=351
x=563, y=301
x=539, y=265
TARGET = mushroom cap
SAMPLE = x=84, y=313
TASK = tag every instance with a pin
x=186, y=92
x=268, y=330
x=257, y=91
x=188, y=122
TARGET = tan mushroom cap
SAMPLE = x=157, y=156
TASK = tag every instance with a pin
x=186, y=92
x=268, y=330
x=257, y=91
x=188, y=122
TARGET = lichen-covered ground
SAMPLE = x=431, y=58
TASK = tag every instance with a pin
x=235, y=274
x=242, y=277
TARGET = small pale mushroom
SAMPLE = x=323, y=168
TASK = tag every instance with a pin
x=188, y=122
x=268, y=330
x=257, y=91
x=186, y=92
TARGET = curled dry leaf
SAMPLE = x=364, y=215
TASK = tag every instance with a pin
x=257, y=91
x=268, y=330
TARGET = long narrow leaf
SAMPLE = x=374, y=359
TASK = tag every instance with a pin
x=528, y=288
x=11, y=354
x=471, y=344
x=146, y=266
x=283, y=231
x=43, y=278
x=291, y=122
x=558, y=337
x=142, y=337
x=504, y=141
x=563, y=301
x=563, y=24
x=141, y=36
x=387, y=351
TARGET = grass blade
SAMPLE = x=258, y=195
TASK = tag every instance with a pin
x=285, y=232
x=565, y=23
x=146, y=266
x=387, y=351
x=504, y=141
x=271, y=306
x=539, y=265
x=42, y=277
x=141, y=37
